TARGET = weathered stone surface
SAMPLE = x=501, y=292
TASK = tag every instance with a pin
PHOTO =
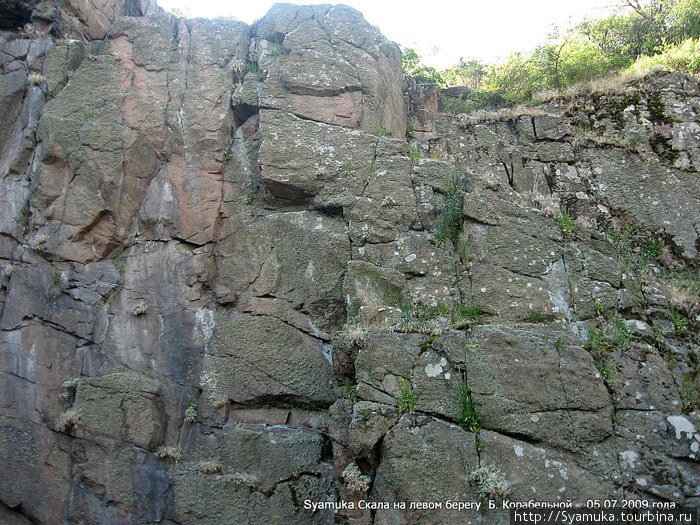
x=230, y=281
x=259, y=358
x=320, y=69
x=559, y=396
x=426, y=460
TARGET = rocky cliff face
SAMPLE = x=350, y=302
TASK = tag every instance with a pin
x=245, y=267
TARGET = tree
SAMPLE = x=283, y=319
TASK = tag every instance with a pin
x=412, y=65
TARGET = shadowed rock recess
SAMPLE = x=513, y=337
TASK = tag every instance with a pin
x=243, y=267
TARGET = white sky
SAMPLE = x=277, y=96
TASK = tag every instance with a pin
x=440, y=30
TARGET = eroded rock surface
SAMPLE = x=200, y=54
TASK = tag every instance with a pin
x=231, y=281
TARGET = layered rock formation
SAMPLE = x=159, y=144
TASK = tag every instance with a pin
x=232, y=281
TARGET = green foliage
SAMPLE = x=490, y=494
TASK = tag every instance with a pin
x=348, y=169
x=607, y=369
x=382, y=131
x=414, y=154
x=350, y=389
x=620, y=333
x=409, y=130
x=228, y=155
x=597, y=340
x=449, y=221
x=252, y=67
x=412, y=65
x=469, y=73
x=679, y=320
x=643, y=35
x=614, y=335
x=690, y=390
x=598, y=306
x=406, y=402
x=469, y=415
x=566, y=222
x=26, y=214
x=415, y=319
x=467, y=313
x=683, y=57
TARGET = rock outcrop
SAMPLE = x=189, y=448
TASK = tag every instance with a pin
x=244, y=268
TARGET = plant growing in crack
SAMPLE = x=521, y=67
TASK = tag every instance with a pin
x=350, y=389
x=191, y=412
x=406, y=401
x=469, y=415
x=489, y=483
x=566, y=222
x=355, y=480
x=608, y=371
x=449, y=220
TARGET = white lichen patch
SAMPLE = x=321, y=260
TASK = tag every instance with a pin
x=629, y=458
x=682, y=426
x=436, y=369
x=519, y=451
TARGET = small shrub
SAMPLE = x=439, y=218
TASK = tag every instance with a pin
x=620, y=333
x=252, y=67
x=382, y=131
x=651, y=249
x=7, y=270
x=469, y=415
x=410, y=130
x=139, y=308
x=38, y=242
x=26, y=214
x=449, y=223
x=36, y=78
x=414, y=154
x=566, y=222
x=490, y=483
x=598, y=306
x=607, y=369
x=597, y=340
x=406, y=402
x=228, y=155
x=68, y=420
x=191, y=412
x=174, y=453
x=350, y=389
x=355, y=480
x=679, y=320
x=348, y=169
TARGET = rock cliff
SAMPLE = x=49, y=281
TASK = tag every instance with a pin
x=244, y=267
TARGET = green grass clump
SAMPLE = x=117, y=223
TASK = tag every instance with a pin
x=620, y=333
x=406, y=402
x=566, y=222
x=469, y=415
x=467, y=313
x=449, y=223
